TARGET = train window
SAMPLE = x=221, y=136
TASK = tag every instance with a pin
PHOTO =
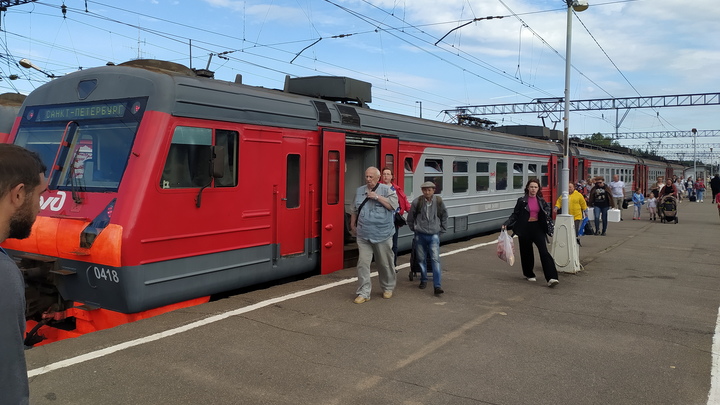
x=518, y=176
x=186, y=165
x=408, y=177
x=333, y=179
x=460, y=176
x=532, y=171
x=501, y=173
x=228, y=140
x=482, y=179
x=544, y=176
x=292, y=188
x=390, y=162
x=434, y=173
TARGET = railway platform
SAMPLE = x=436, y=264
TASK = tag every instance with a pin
x=635, y=326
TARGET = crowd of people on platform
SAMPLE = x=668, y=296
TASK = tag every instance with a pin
x=381, y=207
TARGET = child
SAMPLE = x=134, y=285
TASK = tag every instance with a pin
x=638, y=201
x=652, y=205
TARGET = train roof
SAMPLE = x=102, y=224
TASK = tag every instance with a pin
x=180, y=91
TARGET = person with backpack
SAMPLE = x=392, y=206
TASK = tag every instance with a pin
x=428, y=219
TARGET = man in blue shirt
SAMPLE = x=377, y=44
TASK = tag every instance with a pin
x=372, y=220
x=22, y=181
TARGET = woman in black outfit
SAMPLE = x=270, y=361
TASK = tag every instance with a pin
x=531, y=222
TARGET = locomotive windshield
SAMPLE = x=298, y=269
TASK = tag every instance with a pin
x=89, y=143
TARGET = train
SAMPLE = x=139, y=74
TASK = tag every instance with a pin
x=167, y=186
x=9, y=107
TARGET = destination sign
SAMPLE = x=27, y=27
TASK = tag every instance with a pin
x=96, y=111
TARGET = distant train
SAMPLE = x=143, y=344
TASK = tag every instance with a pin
x=9, y=106
x=168, y=186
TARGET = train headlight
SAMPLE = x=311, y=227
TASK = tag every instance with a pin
x=91, y=232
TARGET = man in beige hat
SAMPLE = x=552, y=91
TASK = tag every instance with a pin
x=428, y=219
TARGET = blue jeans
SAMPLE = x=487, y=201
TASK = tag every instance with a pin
x=598, y=211
x=700, y=194
x=424, y=244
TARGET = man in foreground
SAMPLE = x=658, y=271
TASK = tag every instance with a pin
x=22, y=181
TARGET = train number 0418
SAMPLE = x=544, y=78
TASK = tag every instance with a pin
x=106, y=274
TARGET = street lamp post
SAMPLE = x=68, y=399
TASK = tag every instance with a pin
x=565, y=250
x=29, y=65
x=420, y=102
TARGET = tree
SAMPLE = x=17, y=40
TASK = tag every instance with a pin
x=600, y=140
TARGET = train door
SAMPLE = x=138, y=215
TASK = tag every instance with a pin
x=555, y=163
x=332, y=206
x=640, y=177
x=580, y=173
x=293, y=197
x=388, y=157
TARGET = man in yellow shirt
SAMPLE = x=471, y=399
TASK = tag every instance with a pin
x=576, y=206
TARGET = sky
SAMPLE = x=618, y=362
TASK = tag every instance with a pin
x=412, y=52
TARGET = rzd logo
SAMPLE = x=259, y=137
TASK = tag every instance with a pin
x=55, y=203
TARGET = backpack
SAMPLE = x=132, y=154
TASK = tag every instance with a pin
x=418, y=201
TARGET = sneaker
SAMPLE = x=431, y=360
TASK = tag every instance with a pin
x=422, y=285
x=360, y=299
x=602, y=234
x=531, y=279
x=438, y=291
x=387, y=294
x=597, y=232
x=552, y=283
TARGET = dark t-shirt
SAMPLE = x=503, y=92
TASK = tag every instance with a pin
x=13, y=372
x=602, y=198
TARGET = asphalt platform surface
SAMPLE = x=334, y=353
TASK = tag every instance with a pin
x=635, y=326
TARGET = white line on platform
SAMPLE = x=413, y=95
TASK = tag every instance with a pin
x=714, y=395
x=206, y=321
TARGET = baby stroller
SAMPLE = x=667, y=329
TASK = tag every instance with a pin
x=668, y=209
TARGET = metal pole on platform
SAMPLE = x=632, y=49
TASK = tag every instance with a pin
x=695, y=177
x=565, y=249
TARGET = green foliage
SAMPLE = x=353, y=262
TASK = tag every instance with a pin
x=600, y=140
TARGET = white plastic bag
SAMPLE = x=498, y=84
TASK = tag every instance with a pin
x=505, y=247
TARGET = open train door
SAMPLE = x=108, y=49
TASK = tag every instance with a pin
x=332, y=206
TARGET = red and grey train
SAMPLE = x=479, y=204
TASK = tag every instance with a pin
x=167, y=186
